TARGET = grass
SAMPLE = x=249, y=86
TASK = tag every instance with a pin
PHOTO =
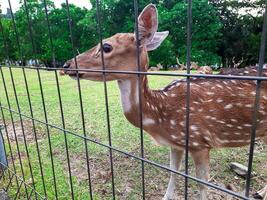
x=127, y=171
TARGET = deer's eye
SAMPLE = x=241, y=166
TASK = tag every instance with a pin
x=107, y=48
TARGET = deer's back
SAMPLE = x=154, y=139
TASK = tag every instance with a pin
x=221, y=110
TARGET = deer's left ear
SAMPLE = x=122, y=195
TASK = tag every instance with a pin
x=147, y=24
x=156, y=40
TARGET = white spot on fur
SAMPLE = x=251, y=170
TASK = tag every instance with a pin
x=193, y=127
x=233, y=81
x=248, y=106
x=148, y=121
x=195, y=144
x=197, y=133
x=262, y=112
x=181, y=123
x=172, y=122
x=210, y=93
x=207, y=138
x=233, y=120
x=219, y=86
x=228, y=106
x=219, y=100
x=174, y=137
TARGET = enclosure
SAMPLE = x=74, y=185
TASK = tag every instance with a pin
x=68, y=139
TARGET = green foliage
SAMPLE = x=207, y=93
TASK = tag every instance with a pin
x=205, y=33
x=241, y=30
x=164, y=54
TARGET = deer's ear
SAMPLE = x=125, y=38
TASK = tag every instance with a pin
x=147, y=24
x=156, y=41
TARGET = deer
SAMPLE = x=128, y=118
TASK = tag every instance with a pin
x=237, y=64
x=220, y=109
x=204, y=70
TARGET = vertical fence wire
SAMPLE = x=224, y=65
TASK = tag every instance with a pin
x=98, y=9
x=17, y=103
x=22, y=128
x=14, y=128
x=139, y=75
x=30, y=27
x=27, y=88
x=80, y=100
x=257, y=101
x=9, y=143
x=3, y=142
x=136, y=6
x=5, y=125
x=18, y=191
x=188, y=65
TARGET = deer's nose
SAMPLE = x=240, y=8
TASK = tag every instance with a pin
x=66, y=65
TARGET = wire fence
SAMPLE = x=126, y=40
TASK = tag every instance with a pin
x=21, y=177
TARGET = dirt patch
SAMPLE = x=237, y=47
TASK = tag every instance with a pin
x=19, y=133
x=127, y=172
x=128, y=177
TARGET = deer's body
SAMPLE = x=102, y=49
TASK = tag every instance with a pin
x=215, y=111
x=220, y=110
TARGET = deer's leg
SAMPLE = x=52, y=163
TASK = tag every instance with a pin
x=262, y=194
x=175, y=161
x=201, y=160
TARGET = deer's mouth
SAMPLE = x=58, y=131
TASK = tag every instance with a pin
x=75, y=75
x=71, y=74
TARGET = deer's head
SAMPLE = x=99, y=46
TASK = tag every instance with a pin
x=120, y=50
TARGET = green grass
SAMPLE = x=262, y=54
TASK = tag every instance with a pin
x=124, y=136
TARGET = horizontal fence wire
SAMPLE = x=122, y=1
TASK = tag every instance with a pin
x=31, y=190
x=207, y=76
x=131, y=155
x=22, y=182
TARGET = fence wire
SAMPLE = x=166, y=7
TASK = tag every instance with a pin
x=14, y=176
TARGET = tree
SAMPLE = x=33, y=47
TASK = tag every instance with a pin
x=242, y=26
x=205, y=33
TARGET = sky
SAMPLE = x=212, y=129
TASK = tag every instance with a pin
x=15, y=4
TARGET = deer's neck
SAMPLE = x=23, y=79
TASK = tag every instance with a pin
x=130, y=101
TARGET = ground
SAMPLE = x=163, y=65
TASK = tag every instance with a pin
x=127, y=170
